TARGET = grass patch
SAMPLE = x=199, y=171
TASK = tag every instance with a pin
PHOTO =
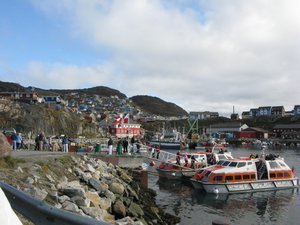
x=9, y=163
x=65, y=160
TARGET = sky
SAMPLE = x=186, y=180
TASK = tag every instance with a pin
x=203, y=55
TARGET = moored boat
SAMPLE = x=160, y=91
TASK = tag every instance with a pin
x=246, y=174
x=185, y=169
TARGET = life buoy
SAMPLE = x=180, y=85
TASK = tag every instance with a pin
x=152, y=163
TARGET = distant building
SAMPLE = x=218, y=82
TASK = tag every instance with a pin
x=125, y=130
x=234, y=116
x=277, y=111
x=225, y=128
x=264, y=110
x=246, y=115
x=203, y=115
x=29, y=97
x=296, y=110
x=52, y=99
x=287, y=131
x=253, y=133
x=254, y=112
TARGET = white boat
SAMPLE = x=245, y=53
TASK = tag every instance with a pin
x=169, y=169
x=168, y=141
x=246, y=175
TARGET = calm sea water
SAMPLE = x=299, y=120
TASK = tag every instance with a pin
x=196, y=207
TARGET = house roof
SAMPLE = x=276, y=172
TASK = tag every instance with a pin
x=287, y=126
x=227, y=125
x=257, y=129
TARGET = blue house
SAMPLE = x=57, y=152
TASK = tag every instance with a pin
x=254, y=112
x=297, y=110
x=265, y=111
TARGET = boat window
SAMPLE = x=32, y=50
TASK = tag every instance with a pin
x=286, y=174
x=238, y=177
x=241, y=164
x=282, y=164
x=229, y=178
x=249, y=163
x=220, y=162
x=272, y=175
x=218, y=178
x=233, y=164
x=207, y=173
x=252, y=176
x=246, y=177
x=279, y=175
x=221, y=157
x=274, y=165
x=226, y=163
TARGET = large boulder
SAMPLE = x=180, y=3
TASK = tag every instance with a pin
x=5, y=148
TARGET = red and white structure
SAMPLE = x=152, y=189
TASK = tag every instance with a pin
x=121, y=127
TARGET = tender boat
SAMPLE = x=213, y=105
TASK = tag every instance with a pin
x=171, y=170
x=269, y=172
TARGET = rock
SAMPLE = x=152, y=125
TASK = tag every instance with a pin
x=132, y=192
x=98, y=185
x=135, y=210
x=5, y=148
x=90, y=168
x=119, y=209
x=81, y=201
x=105, y=203
x=110, y=195
x=126, y=178
x=49, y=177
x=63, y=198
x=36, y=193
x=19, y=169
x=85, y=177
x=94, y=198
x=53, y=195
x=29, y=180
x=70, y=206
x=117, y=188
x=71, y=192
x=127, y=221
x=96, y=175
x=100, y=214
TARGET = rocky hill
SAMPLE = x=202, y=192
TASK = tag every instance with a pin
x=157, y=106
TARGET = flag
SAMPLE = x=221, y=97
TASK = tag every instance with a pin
x=118, y=119
x=126, y=118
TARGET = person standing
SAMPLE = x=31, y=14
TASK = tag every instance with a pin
x=178, y=158
x=110, y=146
x=193, y=160
x=41, y=141
x=186, y=160
x=125, y=145
x=19, y=140
x=157, y=151
x=65, y=143
x=14, y=141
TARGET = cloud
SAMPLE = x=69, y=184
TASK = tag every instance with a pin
x=201, y=55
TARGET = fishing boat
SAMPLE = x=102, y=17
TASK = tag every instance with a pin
x=248, y=174
x=172, y=170
x=168, y=141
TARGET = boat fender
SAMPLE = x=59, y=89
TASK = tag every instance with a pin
x=152, y=163
x=216, y=191
x=161, y=166
x=198, y=176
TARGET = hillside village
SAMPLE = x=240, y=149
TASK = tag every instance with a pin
x=97, y=110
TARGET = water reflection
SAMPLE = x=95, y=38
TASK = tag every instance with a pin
x=269, y=207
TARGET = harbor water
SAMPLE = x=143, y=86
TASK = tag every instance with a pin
x=195, y=207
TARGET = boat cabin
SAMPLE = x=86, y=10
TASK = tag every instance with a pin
x=244, y=170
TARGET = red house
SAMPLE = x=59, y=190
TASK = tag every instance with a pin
x=254, y=133
x=125, y=130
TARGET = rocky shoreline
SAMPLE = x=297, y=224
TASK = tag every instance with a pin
x=90, y=187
